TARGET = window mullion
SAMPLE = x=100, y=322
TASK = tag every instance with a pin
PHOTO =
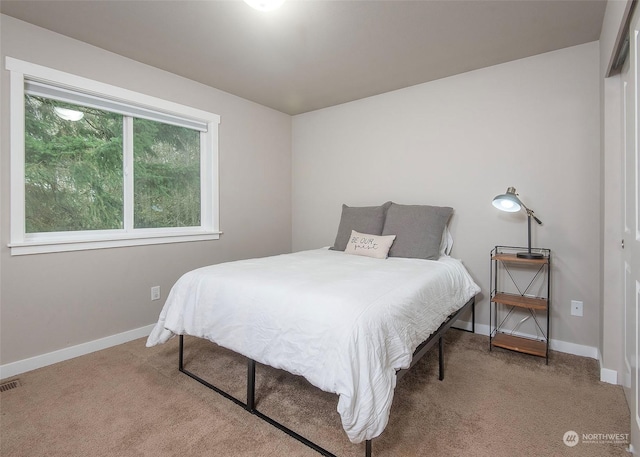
x=127, y=165
x=205, y=183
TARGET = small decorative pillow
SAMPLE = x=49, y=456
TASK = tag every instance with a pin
x=375, y=246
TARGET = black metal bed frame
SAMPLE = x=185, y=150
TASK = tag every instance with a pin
x=250, y=404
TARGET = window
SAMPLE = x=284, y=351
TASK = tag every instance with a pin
x=96, y=166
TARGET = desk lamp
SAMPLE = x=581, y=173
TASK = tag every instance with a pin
x=510, y=203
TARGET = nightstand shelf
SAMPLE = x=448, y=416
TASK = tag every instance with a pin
x=520, y=301
x=513, y=258
x=513, y=280
x=520, y=344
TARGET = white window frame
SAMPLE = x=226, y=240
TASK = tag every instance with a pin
x=23, y=243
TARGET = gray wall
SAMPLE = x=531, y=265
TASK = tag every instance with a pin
x=54, y=301
x=532, y=123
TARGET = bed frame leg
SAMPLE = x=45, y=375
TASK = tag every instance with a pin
x=250, y=404
x=367, y=450
x=251, y=385
x=181, y=358
x=441, y=358
x=473, y=316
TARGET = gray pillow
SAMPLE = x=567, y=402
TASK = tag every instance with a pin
x=363, y=219
x=418, y=230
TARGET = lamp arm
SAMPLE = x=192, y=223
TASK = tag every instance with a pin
x=530, y=213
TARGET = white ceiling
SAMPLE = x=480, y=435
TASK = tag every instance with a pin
x=313, y=54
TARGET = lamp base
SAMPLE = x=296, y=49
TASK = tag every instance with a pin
x=530, y=255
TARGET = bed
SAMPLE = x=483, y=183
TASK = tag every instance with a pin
x=347, y=323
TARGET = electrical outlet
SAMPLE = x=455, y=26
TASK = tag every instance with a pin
x=155, y=293
x=576, y=308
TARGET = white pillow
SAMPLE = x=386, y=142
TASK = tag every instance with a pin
x=447, y=242
x=375, y=246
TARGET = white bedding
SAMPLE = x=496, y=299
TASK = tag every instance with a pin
x=346, y=323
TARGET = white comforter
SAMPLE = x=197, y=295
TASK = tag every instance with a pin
x=344, y=322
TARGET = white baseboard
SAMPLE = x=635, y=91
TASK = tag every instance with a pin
x=573, y=348
x=608, y=376
x=22, y=366
x=556, y=345
x=462, y=325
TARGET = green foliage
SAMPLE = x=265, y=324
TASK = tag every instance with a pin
x=166, y=176
x=74, y=171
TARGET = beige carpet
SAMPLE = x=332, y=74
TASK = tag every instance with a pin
x=132, y=401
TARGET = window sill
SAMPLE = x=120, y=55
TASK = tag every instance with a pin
x=44, y=247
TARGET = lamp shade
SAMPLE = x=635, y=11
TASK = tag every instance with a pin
x=68, y=114
x=508, y=201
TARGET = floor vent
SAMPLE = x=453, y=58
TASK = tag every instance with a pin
x=9, y=385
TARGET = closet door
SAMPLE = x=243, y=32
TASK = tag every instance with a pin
x=631, y=235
